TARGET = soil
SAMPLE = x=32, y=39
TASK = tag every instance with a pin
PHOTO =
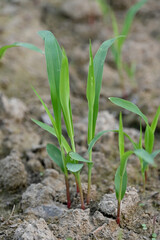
x=32, y=190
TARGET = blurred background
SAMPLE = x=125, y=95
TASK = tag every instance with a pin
x=74, y=22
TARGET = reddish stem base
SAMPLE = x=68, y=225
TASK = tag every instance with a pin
x=67, y=192
x=118, y=213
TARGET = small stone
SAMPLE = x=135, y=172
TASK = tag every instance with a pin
x=81, y=9
x=47, y=212
x=35, y=166
x=12, y=173
x=37, y=195
x=34, y=229
x=99, y=218
x=14, y=107
x=51, y=173
x=108, y=204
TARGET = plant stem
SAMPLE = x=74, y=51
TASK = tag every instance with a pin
x=66, y=177
x=118, y=212
x=67, y=192
x=89, y=177
x=78, y=179
x=77, y=186
x=145, y=177
x=80, y=190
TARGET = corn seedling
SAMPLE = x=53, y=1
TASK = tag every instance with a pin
x=149, y=132
x=118, y=45
x=58, y=75
x=94, y=83
x=121, y=173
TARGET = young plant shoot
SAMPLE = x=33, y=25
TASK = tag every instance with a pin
x=58, y=75
x=149, y=132
x=94, y=83
x=118, y=46
x=121, y=173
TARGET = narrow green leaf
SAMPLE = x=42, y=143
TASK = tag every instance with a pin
x=45, y=127
x=124, y=185
x=99, y=60
x=120, y=184
x=140, y=136
x=155, y=153
x=95, y=139
x=90, y=95
x=128, y=106
x=91, y=80
x=55, y=154
x=53, y=56
x=148, y=158
x=123, y=161
x=75, y=156
x=52, y=131
x=74, y=167
x=46, y=109
x=121, y=136
x=130, y=139
x=19, y=44
x=155, y=120
x=129, y=19
x=139, y=146
x=149, y=139
x=114, y=24
x=65, y=95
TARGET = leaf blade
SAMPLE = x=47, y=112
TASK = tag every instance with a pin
x=97, y=137
x=19, y=44
x=98, y=61
x=52, y=131
x=128, y=106
x=75, y=156
x=74, y=167
x=55, y=154
x=53, y=56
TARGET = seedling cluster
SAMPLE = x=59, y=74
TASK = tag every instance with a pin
x=66, y=156
x=117, y=47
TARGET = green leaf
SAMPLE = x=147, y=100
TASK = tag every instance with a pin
x=90, y=95
x=121, y=136
x=120, y=184
x=99, y=60
x=155, y=153
x=52, y=131
x=45, y=127
x=55, y=154
x=95, y=139
x=19, y=44
x=65, y=95
x=47, y=110
x=135, y=146
x=53, y=56
x=149, y=139
x=129, y=19
x=74, y=167
x=91, y=80
x=155, y=120
x=75, y=156
x=128, y=106
x=140, y=136
x=123, y=161
x=148, y=158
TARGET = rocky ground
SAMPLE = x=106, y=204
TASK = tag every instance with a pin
x=32, y=190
